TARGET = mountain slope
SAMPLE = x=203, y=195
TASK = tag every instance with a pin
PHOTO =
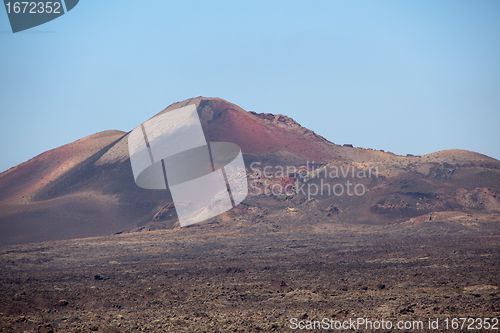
x=86, y=188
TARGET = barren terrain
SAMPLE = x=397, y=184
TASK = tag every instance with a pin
x=227, y=277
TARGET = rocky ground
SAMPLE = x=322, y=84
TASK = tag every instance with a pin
x=217, y=278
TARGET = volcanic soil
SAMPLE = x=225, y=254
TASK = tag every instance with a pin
x=237, y=275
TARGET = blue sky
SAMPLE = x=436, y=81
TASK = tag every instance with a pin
x=403, y=76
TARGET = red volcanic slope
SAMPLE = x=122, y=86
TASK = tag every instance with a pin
x=275, y=136
x=19, y=182
x=260, y=134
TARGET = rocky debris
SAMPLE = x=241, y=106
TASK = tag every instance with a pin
x=331, y=210
x=213, y=280
x=278, y=283
x=62, y=302
x=278, y=119
x=415, y=203
x=234, y=270
x=479, y=199
x=45, y=328
x=168, y=209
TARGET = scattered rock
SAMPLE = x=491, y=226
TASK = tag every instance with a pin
x=331, y=210
x=406, y=311
x=62, y=302
x=45, y=328
x=22, y=319
x=278, y=283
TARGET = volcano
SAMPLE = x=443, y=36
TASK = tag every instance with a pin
x=297, y=180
